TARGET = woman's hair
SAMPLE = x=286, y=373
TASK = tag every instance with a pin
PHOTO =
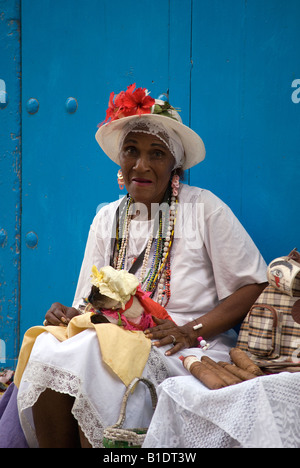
x=180, y=172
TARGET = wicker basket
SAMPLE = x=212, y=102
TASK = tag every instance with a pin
x=117, y=437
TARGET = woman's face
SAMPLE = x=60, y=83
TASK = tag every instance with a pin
x=146, y=165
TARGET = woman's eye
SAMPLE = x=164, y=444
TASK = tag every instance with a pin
x=130, y=150
x=158, y=154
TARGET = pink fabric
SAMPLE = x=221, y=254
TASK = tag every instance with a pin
x=146, y=319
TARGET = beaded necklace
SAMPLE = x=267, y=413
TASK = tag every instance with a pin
x=157, y=276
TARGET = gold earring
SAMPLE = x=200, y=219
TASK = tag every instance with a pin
x=120, y=179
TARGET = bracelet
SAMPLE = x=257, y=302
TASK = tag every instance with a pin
x=202, y=343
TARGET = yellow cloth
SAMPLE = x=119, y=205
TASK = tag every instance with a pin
x=124, y=351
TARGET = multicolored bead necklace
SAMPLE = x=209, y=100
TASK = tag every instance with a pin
x=156, y=278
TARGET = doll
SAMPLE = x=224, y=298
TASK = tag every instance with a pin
x=116, y=297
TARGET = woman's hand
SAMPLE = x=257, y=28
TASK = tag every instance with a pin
x=225, y=316
x=58, y=314
x=167, y=332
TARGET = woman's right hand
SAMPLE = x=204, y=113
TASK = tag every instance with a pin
x=60, y=315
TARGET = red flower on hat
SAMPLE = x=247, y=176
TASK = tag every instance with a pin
x=114, y=105
x=130, y=102
x=137, y=102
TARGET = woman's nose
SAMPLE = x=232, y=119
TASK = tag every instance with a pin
x=141, y=163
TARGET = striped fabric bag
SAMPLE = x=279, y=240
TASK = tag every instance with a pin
x=270, y=332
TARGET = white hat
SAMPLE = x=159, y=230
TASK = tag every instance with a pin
x=131, y=105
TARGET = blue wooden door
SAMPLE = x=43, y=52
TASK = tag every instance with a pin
x=232, y=66
x=77, y=53
x=245, y=103
x=10, y=180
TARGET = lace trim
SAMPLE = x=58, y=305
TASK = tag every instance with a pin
x=156, y=370
x=168, y=137
x=42, y=376
x=261, y=413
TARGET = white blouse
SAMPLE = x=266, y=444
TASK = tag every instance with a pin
x=212, y=255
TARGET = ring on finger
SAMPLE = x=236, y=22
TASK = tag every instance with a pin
x=173, y=339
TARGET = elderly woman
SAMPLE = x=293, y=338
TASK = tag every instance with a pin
x=188, y=251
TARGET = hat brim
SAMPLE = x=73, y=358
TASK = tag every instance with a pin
x=109, y=136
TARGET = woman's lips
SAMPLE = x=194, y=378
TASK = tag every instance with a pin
x=141, y=181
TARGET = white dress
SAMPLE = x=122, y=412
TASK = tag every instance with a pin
x=212, y=256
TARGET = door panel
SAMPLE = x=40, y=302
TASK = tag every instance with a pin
x=83, y=50
x=244, y=63
x=10, y=181
x=216, y=94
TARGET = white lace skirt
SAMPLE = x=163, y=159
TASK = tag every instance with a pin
x=75, y=367
x=258, y=413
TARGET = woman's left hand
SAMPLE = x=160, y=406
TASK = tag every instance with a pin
x=167, y=332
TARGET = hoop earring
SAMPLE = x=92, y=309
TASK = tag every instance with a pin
x=175, y=184
x=120, y=180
